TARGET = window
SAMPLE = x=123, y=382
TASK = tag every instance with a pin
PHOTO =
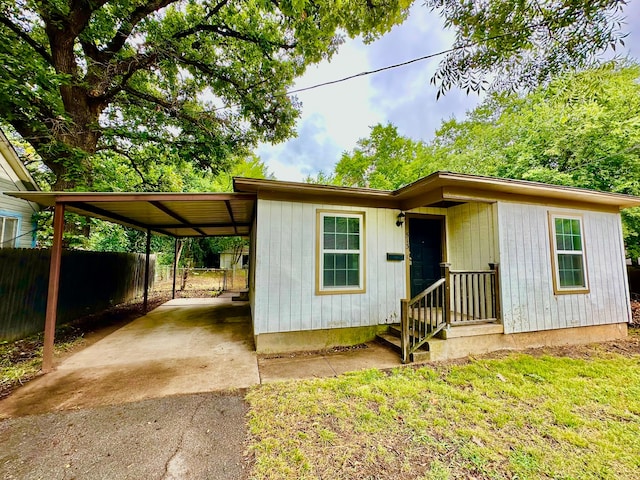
x=340, y=252
x=8, y=232
x=567, y=242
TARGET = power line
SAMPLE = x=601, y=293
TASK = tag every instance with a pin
x=377, y=70
x=382, y=69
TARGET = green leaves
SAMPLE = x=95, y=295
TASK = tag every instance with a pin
x=507, y=44
x=192, y=80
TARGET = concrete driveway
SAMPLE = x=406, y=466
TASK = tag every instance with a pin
x=160, y=398
x=184, y=346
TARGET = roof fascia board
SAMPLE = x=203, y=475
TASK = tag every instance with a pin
x=357, y=200
x=557, y=198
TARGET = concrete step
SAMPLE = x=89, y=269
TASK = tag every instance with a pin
x=395, y=330
x=390, y=340
x=457, y=331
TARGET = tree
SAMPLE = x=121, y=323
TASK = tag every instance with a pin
x=385, y=161
x=199, y=80
x=507, y=44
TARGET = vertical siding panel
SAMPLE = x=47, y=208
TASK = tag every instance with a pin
x=595, y=266
x=297, y=257
x=625, y=312
x=507, y=266
x=526, y=274
x=261, y=262
x=285, y=263
x=307, y=265
x=275, y=223
x=484, y=227
x=374, y=273
x=538, y=259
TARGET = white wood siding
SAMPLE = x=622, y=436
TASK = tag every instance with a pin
x=16, y=208
x=528, y=299
x=472, y=241
x=285, y=263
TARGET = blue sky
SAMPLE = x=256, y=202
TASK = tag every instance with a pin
x=335, y=117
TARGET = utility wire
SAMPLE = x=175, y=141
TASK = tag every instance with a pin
x=382, y=69
x=377, y=70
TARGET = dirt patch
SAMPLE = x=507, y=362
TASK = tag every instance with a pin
x=627, y=347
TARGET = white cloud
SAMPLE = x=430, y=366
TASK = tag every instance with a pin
x=334, y=117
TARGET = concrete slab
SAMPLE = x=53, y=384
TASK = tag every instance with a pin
x=184, y=346
x=330, y=364
x=374, y=356
x=294, y=368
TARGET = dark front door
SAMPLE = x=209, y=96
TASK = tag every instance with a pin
x=425, y=252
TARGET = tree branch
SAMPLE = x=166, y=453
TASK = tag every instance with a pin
x=26, y=38
x=128, y=24
x=133, y=163
x=172, y=109
x=226, y=31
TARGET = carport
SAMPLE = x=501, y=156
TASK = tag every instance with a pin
x=179, y=215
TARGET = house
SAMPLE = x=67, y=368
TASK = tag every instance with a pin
x=17, y=229
x=447, y=266
x=466, y=264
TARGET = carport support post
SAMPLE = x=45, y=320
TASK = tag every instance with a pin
x=146, y=271
x=54, y=288
x=175, y=267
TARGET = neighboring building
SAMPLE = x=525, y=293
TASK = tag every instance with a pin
x=230, y=259
x=530, y=264
x=16, y=225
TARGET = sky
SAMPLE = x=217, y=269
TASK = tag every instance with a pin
x=334, y=117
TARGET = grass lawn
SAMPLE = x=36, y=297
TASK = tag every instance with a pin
x=520, y=416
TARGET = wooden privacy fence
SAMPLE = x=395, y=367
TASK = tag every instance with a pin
x=89, y=282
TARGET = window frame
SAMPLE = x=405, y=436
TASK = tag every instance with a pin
x=557, y=288
x=16, y=227
x=320, y=251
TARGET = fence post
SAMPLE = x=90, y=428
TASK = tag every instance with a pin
x=145, y=302
x=445, y=269
x=496, y=287
x=404, y=329
x=175, y=267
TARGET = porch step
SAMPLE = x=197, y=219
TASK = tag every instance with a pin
x=391, y=338
x=457, y=331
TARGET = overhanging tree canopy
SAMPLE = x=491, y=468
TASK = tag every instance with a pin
x=83, y=76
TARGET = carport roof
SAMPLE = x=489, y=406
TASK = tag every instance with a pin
x=174, y=214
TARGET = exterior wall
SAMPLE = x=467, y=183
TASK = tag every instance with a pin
x=472, y=237
x=285, y=263
x=528, y=299
x=20, y=209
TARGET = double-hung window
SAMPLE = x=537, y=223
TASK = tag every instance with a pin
x=340, y=266
x=569, y=262
x=8, y=232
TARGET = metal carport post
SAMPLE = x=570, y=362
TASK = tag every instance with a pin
x=54, y=287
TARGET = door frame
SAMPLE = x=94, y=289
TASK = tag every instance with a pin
x=407, y=243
